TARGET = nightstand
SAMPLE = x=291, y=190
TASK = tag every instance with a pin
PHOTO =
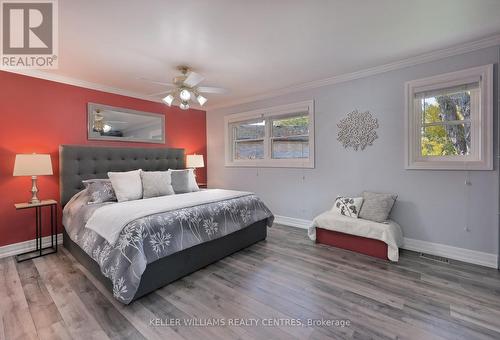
x=202, y=185
x=40, y=251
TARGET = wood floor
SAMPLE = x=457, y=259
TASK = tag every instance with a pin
x=282, y=279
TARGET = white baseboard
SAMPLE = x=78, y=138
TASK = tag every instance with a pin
x=21, y=247
x=438, y=249
x=292, y=222
x=454, y=253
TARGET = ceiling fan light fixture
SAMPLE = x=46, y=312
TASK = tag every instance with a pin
x=201, y=100
x=185, y=89
x=168, y=100
x=185, y=95
x=98, y=125
x=98, y=121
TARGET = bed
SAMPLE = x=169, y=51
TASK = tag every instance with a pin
x=155, y=249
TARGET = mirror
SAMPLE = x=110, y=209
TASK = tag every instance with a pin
x=119, y=124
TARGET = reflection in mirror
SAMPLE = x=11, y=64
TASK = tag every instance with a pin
x=114, y=123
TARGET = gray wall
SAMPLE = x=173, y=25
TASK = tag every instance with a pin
x=433, y=206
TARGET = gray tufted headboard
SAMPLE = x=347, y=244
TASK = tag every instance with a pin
x=77, y=163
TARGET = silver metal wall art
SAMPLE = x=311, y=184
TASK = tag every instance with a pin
x=357, y=130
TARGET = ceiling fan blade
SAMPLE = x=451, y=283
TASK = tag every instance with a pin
x=193, y=79
x=156, y=94
x=157, y=82
x=211, y=89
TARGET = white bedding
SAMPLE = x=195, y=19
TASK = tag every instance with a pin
x=109, y=220
x=390, y=233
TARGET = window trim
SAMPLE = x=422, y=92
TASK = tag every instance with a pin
x=276, y=111
x=481, y=157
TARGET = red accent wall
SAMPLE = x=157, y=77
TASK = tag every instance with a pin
x=38, y=115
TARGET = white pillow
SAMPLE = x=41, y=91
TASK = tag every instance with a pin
x=348, y=206
x=127, y=185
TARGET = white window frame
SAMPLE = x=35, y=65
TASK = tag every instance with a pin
x=481, y=156
x=268, y=114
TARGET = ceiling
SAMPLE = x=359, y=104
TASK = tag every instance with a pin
x=251, y=47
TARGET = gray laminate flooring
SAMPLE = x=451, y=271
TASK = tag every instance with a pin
x=268, y=291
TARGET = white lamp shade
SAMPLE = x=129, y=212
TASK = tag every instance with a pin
x=201, y=100
x=194, y=161
x=168, y=99
x=32, y=165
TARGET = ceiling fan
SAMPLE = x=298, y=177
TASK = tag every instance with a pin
x=101, y=125
x=185, y=88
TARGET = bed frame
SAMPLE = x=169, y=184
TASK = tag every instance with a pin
x=79, y=163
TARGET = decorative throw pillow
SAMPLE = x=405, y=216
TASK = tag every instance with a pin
x=99, y=191
x=127, y=185
x=376, y=206
x=184, y=181
x=156, y=183
x=347, y=206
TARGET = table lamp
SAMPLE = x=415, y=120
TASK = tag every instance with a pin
x=195, y=161
x=33, y=165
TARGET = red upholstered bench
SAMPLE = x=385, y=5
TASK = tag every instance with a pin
x=355, y=243
x=376, y=239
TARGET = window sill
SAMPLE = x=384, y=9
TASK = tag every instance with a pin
x=449, y=165
x=272, y=164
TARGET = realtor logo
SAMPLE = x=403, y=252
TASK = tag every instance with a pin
x=29, y=34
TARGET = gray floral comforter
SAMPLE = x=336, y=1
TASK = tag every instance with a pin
x=153, y=237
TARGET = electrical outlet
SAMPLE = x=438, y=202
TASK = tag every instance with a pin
x=468, y=182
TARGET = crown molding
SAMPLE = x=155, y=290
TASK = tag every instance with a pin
x=400, y=64
x=90, y=85
x=82, y=83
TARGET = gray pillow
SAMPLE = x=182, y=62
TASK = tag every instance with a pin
x=156, y=183
x=99, y=191
x=376, y=206
x=184, y=181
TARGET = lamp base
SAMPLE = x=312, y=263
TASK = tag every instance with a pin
x=34, y=191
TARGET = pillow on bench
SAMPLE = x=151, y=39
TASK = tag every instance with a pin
x=377, y=206
x=347, y=206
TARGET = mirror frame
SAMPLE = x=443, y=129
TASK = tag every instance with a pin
x=91, y=107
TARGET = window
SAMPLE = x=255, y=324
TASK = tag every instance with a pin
x=449, y=121
x=248, y=139
x=290, y=137
x=276, y=137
